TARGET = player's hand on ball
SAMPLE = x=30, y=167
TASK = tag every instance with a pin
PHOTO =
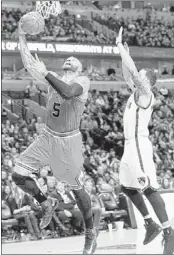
x=119, y=37
x=126, y=47
x=20, y=30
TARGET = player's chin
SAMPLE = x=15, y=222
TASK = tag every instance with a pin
x=67, y=68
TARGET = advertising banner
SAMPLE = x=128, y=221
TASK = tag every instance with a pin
x=88, y=49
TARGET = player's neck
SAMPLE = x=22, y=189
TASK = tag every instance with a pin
x=66, y=72
x=70, y=74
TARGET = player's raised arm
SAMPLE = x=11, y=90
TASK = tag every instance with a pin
x=141, y=84
x=126, y=74
x=27, y=58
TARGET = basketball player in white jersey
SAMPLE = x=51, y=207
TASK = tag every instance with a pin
x=60, y=143
x=137, y=168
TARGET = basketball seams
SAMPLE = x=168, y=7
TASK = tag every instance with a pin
x=33, y=23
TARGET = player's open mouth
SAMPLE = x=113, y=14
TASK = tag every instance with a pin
x=67, y=64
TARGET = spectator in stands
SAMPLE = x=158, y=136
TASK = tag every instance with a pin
x=173, y=70
x=97, y=205
x=166, y=183
x=66, y=209
x=39, y=125
x=32, y=125
x=31, y=90
x=51, y=184
x=110, y=70
x=164, y=72
x=20, y=208
x=7, y=198
x=67, y=27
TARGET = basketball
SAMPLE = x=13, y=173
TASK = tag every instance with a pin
x=32, y=23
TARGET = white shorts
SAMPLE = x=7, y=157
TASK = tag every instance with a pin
x=137, y=168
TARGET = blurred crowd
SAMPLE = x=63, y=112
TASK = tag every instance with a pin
x=140, y=31
x=67, y=27
x=102, y=130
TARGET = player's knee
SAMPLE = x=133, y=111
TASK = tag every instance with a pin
x=149, y=191
x=154, y=196
x=26, y=183
x=17, y=178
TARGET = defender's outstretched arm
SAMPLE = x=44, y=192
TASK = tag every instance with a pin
x=126, y=74
x=141, y=85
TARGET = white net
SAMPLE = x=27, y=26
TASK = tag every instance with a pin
x=47, y=8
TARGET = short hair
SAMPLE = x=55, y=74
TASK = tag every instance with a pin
x=151, y=75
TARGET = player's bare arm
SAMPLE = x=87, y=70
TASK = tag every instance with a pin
x=27, y=57
x=126, y=74
x=142, y=86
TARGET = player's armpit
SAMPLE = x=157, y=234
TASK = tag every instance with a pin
x=142, y=86
x=28, y=60
x=143, y=101
x=128, y=61
x=84, y=82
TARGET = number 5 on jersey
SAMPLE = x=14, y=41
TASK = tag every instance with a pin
x=56, y=110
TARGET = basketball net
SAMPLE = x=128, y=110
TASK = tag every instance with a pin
x=47, y=8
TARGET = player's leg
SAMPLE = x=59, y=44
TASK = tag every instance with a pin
x=152, y=228
x=84, y=204
x=35, y=156
x=157, y=202
x=158, y=205
x=70, y=149
x=130, y=173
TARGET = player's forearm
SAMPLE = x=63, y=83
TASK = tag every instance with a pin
x=127, y=75
x=25, y=53
x=28, y=60
x=128, y=61
x=63, y=88
x=126, y=58
x=60, y=86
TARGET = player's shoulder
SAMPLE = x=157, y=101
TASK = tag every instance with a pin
x=82, y=79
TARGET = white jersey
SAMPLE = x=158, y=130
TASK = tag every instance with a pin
x=136, y=119
x=137, y=168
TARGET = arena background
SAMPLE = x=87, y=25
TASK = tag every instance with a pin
x=87, y=30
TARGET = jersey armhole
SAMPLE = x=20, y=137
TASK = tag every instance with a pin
x=82, y=97
x=144, y=108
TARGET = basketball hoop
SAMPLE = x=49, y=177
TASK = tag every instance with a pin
x=47, y=8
